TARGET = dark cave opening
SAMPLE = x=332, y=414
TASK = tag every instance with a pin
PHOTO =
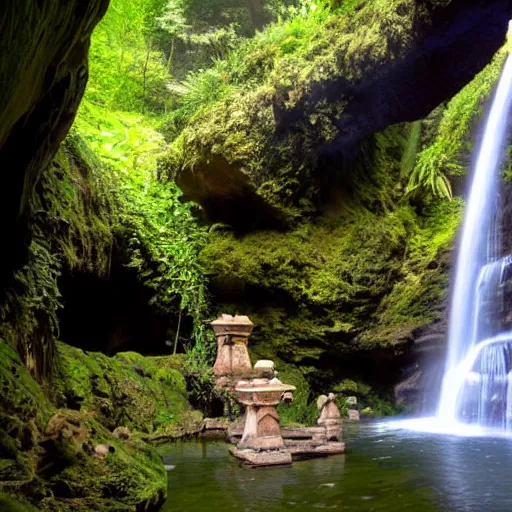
x=112, y=314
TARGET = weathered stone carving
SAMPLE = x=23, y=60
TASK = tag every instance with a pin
x=232, y=333
x=261, y=442
x=260, y=396
x=330, y=417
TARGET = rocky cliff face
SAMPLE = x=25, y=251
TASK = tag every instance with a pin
x=261, y=156
x=345, y=276
x=43, y=72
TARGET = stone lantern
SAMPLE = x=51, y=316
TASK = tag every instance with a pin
x=262, y=443
x=232, y=333
x=260, y=396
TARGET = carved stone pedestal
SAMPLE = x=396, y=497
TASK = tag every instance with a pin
x=232, y=333
x=261, y=442
x=261, y=430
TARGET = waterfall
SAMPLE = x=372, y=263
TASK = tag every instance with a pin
x=475, y=387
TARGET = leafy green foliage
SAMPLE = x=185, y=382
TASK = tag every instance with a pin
x=302, y=410
x=368, y=401
x=447, y=155
x=274, y=73
x=161, y=237
x=427, y=175
x=128, y=72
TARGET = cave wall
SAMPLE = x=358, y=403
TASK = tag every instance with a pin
x=346, y=296
x=43, y=72
x=356, y=294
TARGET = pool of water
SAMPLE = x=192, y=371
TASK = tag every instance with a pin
x=384, y=469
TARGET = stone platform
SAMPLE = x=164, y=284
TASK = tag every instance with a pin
x=262, y=458
x=309, y=449
x=294, y=450
x=300, y=442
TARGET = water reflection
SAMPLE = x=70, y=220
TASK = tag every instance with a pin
x=386, y=469
x=369, y=477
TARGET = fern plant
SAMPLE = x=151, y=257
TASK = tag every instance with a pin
x=429, y=174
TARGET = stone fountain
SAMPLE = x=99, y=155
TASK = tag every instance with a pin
x=262, y=443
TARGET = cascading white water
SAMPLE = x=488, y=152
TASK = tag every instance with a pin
x=475, y=386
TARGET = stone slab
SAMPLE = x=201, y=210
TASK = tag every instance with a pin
x=216, y=424
x=310, y=449
x=263, y=458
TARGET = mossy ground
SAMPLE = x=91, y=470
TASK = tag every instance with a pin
x=47, y=456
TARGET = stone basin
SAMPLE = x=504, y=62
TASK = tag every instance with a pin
x=261, y=431
x=262, y=395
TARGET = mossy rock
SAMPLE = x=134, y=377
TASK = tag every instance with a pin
x=8, y=504
x=48, y=456
x=305, y=94
x=147, y=394
x=130, y=477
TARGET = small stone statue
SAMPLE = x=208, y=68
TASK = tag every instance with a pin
x=353, y=413
x=330, y=417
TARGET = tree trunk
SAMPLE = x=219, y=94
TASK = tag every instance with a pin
x=148, y=52
x=177, y=335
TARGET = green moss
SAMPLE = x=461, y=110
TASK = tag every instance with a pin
x=70, y=224
x=277, y=71
x=364, y=283
x=8, y=504
x=334, y=273
x=302, y=411
x=147, y=394
x=447, y=155
x=27, y=400
x=47, y=448
x=416, y=298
